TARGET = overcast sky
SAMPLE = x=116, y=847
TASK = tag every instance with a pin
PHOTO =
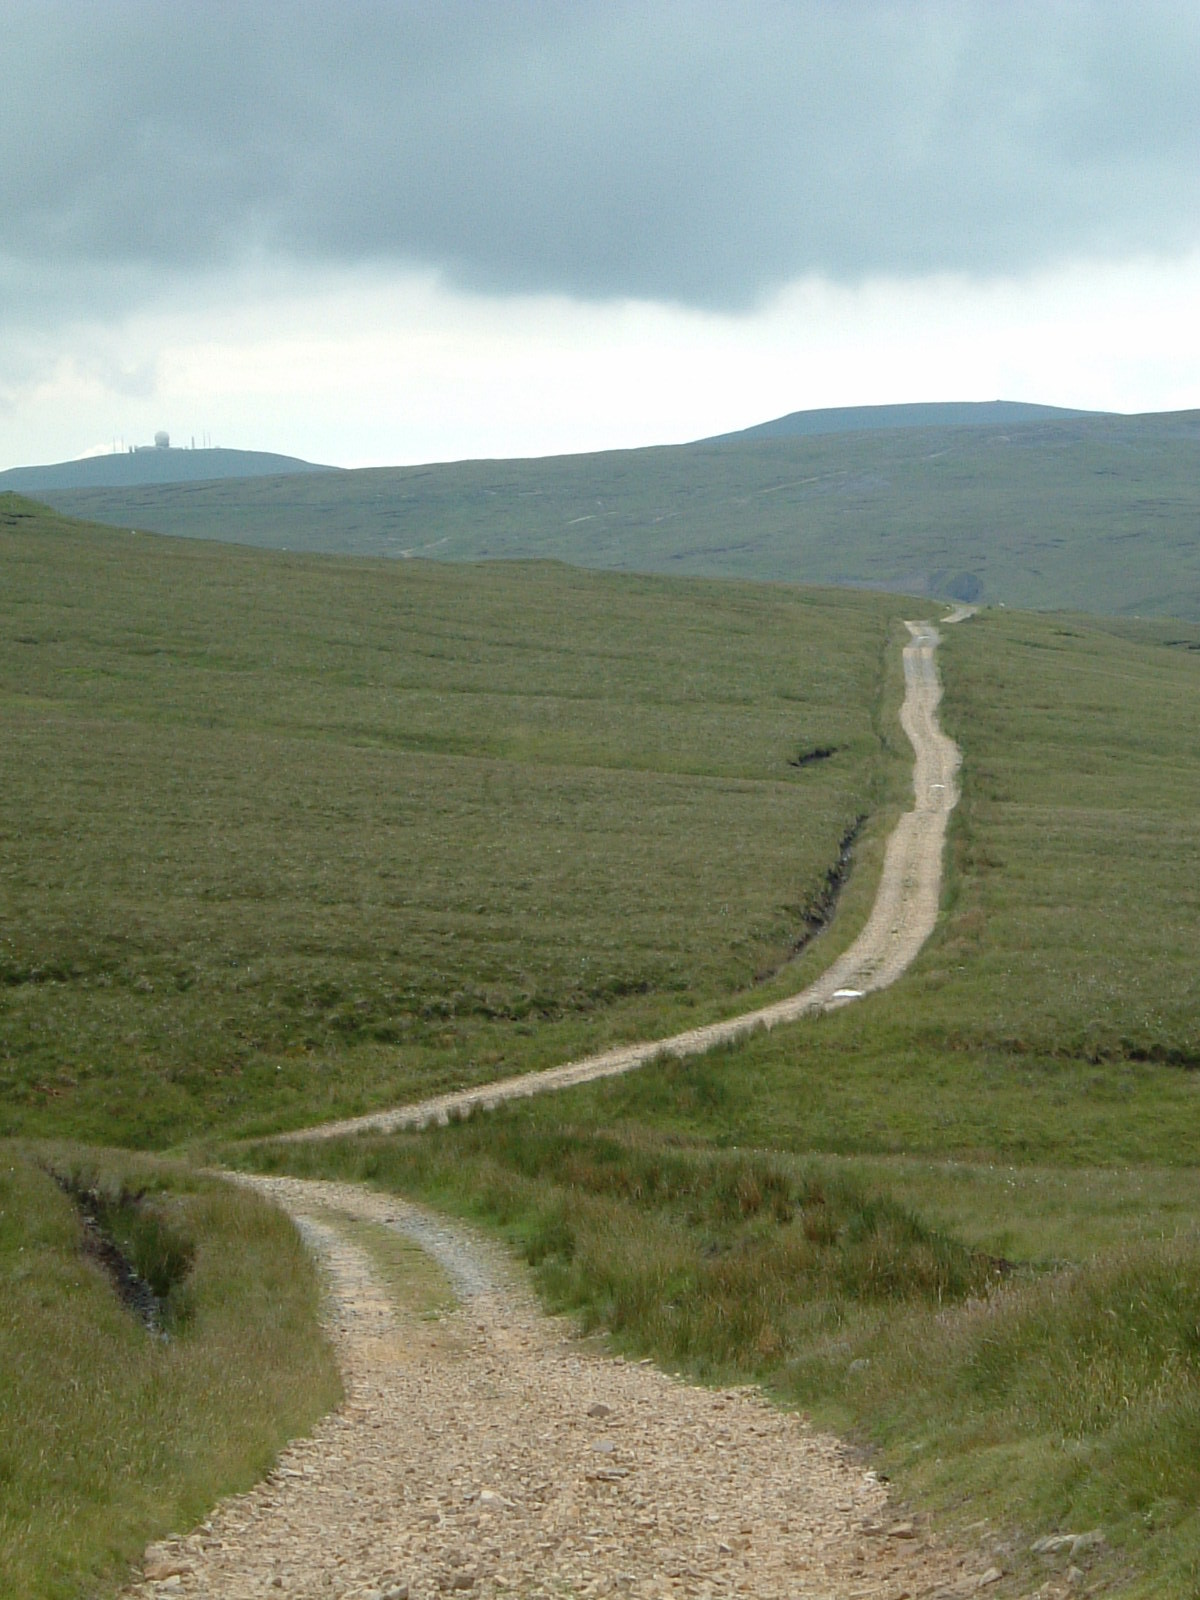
x=372, y=232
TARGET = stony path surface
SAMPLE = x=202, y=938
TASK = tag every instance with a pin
x=487, y=1452
x=901, y=920
x=490, y=1453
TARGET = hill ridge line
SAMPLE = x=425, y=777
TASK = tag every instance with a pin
x=901, y=920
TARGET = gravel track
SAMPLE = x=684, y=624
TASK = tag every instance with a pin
x=490, y=1452
x=902, y=918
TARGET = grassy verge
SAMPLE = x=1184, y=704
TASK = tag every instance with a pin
x=112, y=1436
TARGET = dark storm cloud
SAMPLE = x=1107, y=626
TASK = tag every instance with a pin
x=691, y=151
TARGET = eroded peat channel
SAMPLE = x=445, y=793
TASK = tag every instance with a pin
x=99, y=1218
x=902, y=918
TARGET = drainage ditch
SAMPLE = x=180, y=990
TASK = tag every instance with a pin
x=818, y=913
x=819, y=752
x=105, y=1219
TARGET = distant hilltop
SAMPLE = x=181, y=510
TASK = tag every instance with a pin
x=1030, y=506
x=153, y=464
x=932, y=414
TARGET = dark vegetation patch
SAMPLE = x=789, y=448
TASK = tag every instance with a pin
x=1170, y=1055
x=818, y=752
x=965, y=587
x=144, y=1255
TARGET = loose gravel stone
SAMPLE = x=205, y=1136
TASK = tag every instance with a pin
x=462, y=1461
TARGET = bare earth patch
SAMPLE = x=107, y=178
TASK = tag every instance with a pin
x=489, y=1452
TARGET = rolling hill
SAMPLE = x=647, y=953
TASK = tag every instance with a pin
x=923, y=414
x=130, y=469
x=285, y=835
x=1093, y=513
x=318, y=824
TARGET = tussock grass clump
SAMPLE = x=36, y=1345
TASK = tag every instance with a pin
x=111, y=1435
x=1071, y=1401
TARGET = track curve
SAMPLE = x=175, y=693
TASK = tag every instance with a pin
x=901, y=919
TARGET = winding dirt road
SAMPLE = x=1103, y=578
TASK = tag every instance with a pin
x=487, y=1451
x=902, y=918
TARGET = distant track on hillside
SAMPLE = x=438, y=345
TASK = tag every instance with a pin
x=902, y=918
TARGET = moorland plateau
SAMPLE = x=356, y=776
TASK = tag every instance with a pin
x=1090, y=513
x=286, y=837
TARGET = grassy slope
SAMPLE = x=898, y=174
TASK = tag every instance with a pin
x=285, y=837
x=1096, y=514
x=110, y=1437
x=1029, y=1092
x=139, y=467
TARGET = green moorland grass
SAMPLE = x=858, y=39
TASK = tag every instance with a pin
x=285, y=837
x=1000, y=1280
x=289, y=837
x=1096, y=514
x=416, y=1284
x=110, y=1436
x=959, y=1216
